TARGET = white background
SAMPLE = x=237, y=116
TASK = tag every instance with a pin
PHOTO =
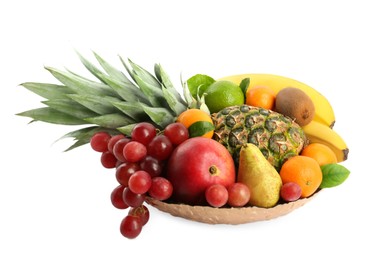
x=56, y=205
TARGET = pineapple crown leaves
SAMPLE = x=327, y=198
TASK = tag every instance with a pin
x=114, y=102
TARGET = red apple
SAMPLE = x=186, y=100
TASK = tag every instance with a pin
x=196, y=164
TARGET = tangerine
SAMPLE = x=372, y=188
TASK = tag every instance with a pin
x=320, y=152
x=190, y=116
x=304, y=171
x=261, y=96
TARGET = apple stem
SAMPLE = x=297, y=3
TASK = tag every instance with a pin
x=213, y=170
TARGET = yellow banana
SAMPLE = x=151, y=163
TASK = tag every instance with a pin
x=323, y=110
x=320, y=133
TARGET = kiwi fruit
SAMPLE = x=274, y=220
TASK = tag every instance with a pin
x=295, y=103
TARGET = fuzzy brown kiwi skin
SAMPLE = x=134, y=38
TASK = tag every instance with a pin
x=295, y=103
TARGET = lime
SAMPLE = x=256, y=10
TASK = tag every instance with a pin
x=221, y=94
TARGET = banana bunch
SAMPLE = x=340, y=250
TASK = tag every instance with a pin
x=320, y=129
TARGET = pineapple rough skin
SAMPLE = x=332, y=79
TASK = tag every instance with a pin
x=277, y=136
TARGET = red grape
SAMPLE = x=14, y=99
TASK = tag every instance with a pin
x=140, y=182
x=143, y=132
x=118, y=149
x=99, y=141
x=132, y=199
x=176, y=133
x=151, y=165
x=290, y=191
x=160, y=147
x=161, y=188
x=239, y=194
x=131, y=226
x=216, y=195
x=124, y=171
x=113, y=141
x=117, y=197
x=134, y=151
x=142, y=212
x=108, y=160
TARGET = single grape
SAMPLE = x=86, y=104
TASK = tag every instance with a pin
x=140, y=182
x=108, y=160
x=99, y=141
x=117, y=197
x=118, y=149
x=132, y=199
x=161, y=188
x=239, y=194
x=143, y=132
x=134, y=151
x=131, y=226
x=142, y=211
x=290, y=191
x=151, y=165
x=216, y=195
x=160, y=147
x=124, y=171
x=113, y=141
x=176, y=133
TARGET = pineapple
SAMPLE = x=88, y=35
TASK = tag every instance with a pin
x=113, y=103
x=277, y=136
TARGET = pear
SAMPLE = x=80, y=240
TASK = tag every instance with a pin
x=260, y=176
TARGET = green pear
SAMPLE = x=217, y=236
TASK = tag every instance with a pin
x=260, y=176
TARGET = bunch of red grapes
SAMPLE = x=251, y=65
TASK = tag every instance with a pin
x=139, y=161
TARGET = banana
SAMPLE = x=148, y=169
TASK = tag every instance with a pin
x=323, y=110
x=320, y=133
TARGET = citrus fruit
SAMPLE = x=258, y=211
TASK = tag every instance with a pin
x=320, y=152
x=190, y=116
x=304, y=171
x=261, y=96
x=223, y=94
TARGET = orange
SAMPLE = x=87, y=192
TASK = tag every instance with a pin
x=261, y=96
x=320, y=152
x=304, y=171
x=190, y=116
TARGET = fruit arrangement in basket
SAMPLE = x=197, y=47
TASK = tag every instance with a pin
x=235, y=150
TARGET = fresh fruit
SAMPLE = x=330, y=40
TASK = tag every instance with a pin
x=324, y=113
x=304, y=171
x=140, y=182
x=320, y=152
x=263, y=181
x=124, y=171
x=261, y=96
x=319, y=133
x=113, y=141
x=117, y=150
x=161, y=188
x=99, y=141
x=176, y=133
x=239, y=194
x=142, y=212
x=216, y=195
x=143, y=132
x=294, y=103
x=134, y=151
x=290, y=191
x=151, y=165
x=160, y=147
x=196, y=164
x=108, y=160
x=221, y=94
x=132, y=199
x=131, y=226
x=277, y=136
x=117, y=197
x=191, y=116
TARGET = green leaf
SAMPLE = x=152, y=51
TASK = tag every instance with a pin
x=50, y=115
x=191, y=101
x=163, y=77
x=176, y=106
x=133, y=110
x=159, y=115
x=110, y=120
x=48, y=91
x=113, y=72
x=200, y=128
x=244, y=85
x=70, y=107
x=333, y=175
x=98, y=104
x=127, y=129
x=198, y=83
